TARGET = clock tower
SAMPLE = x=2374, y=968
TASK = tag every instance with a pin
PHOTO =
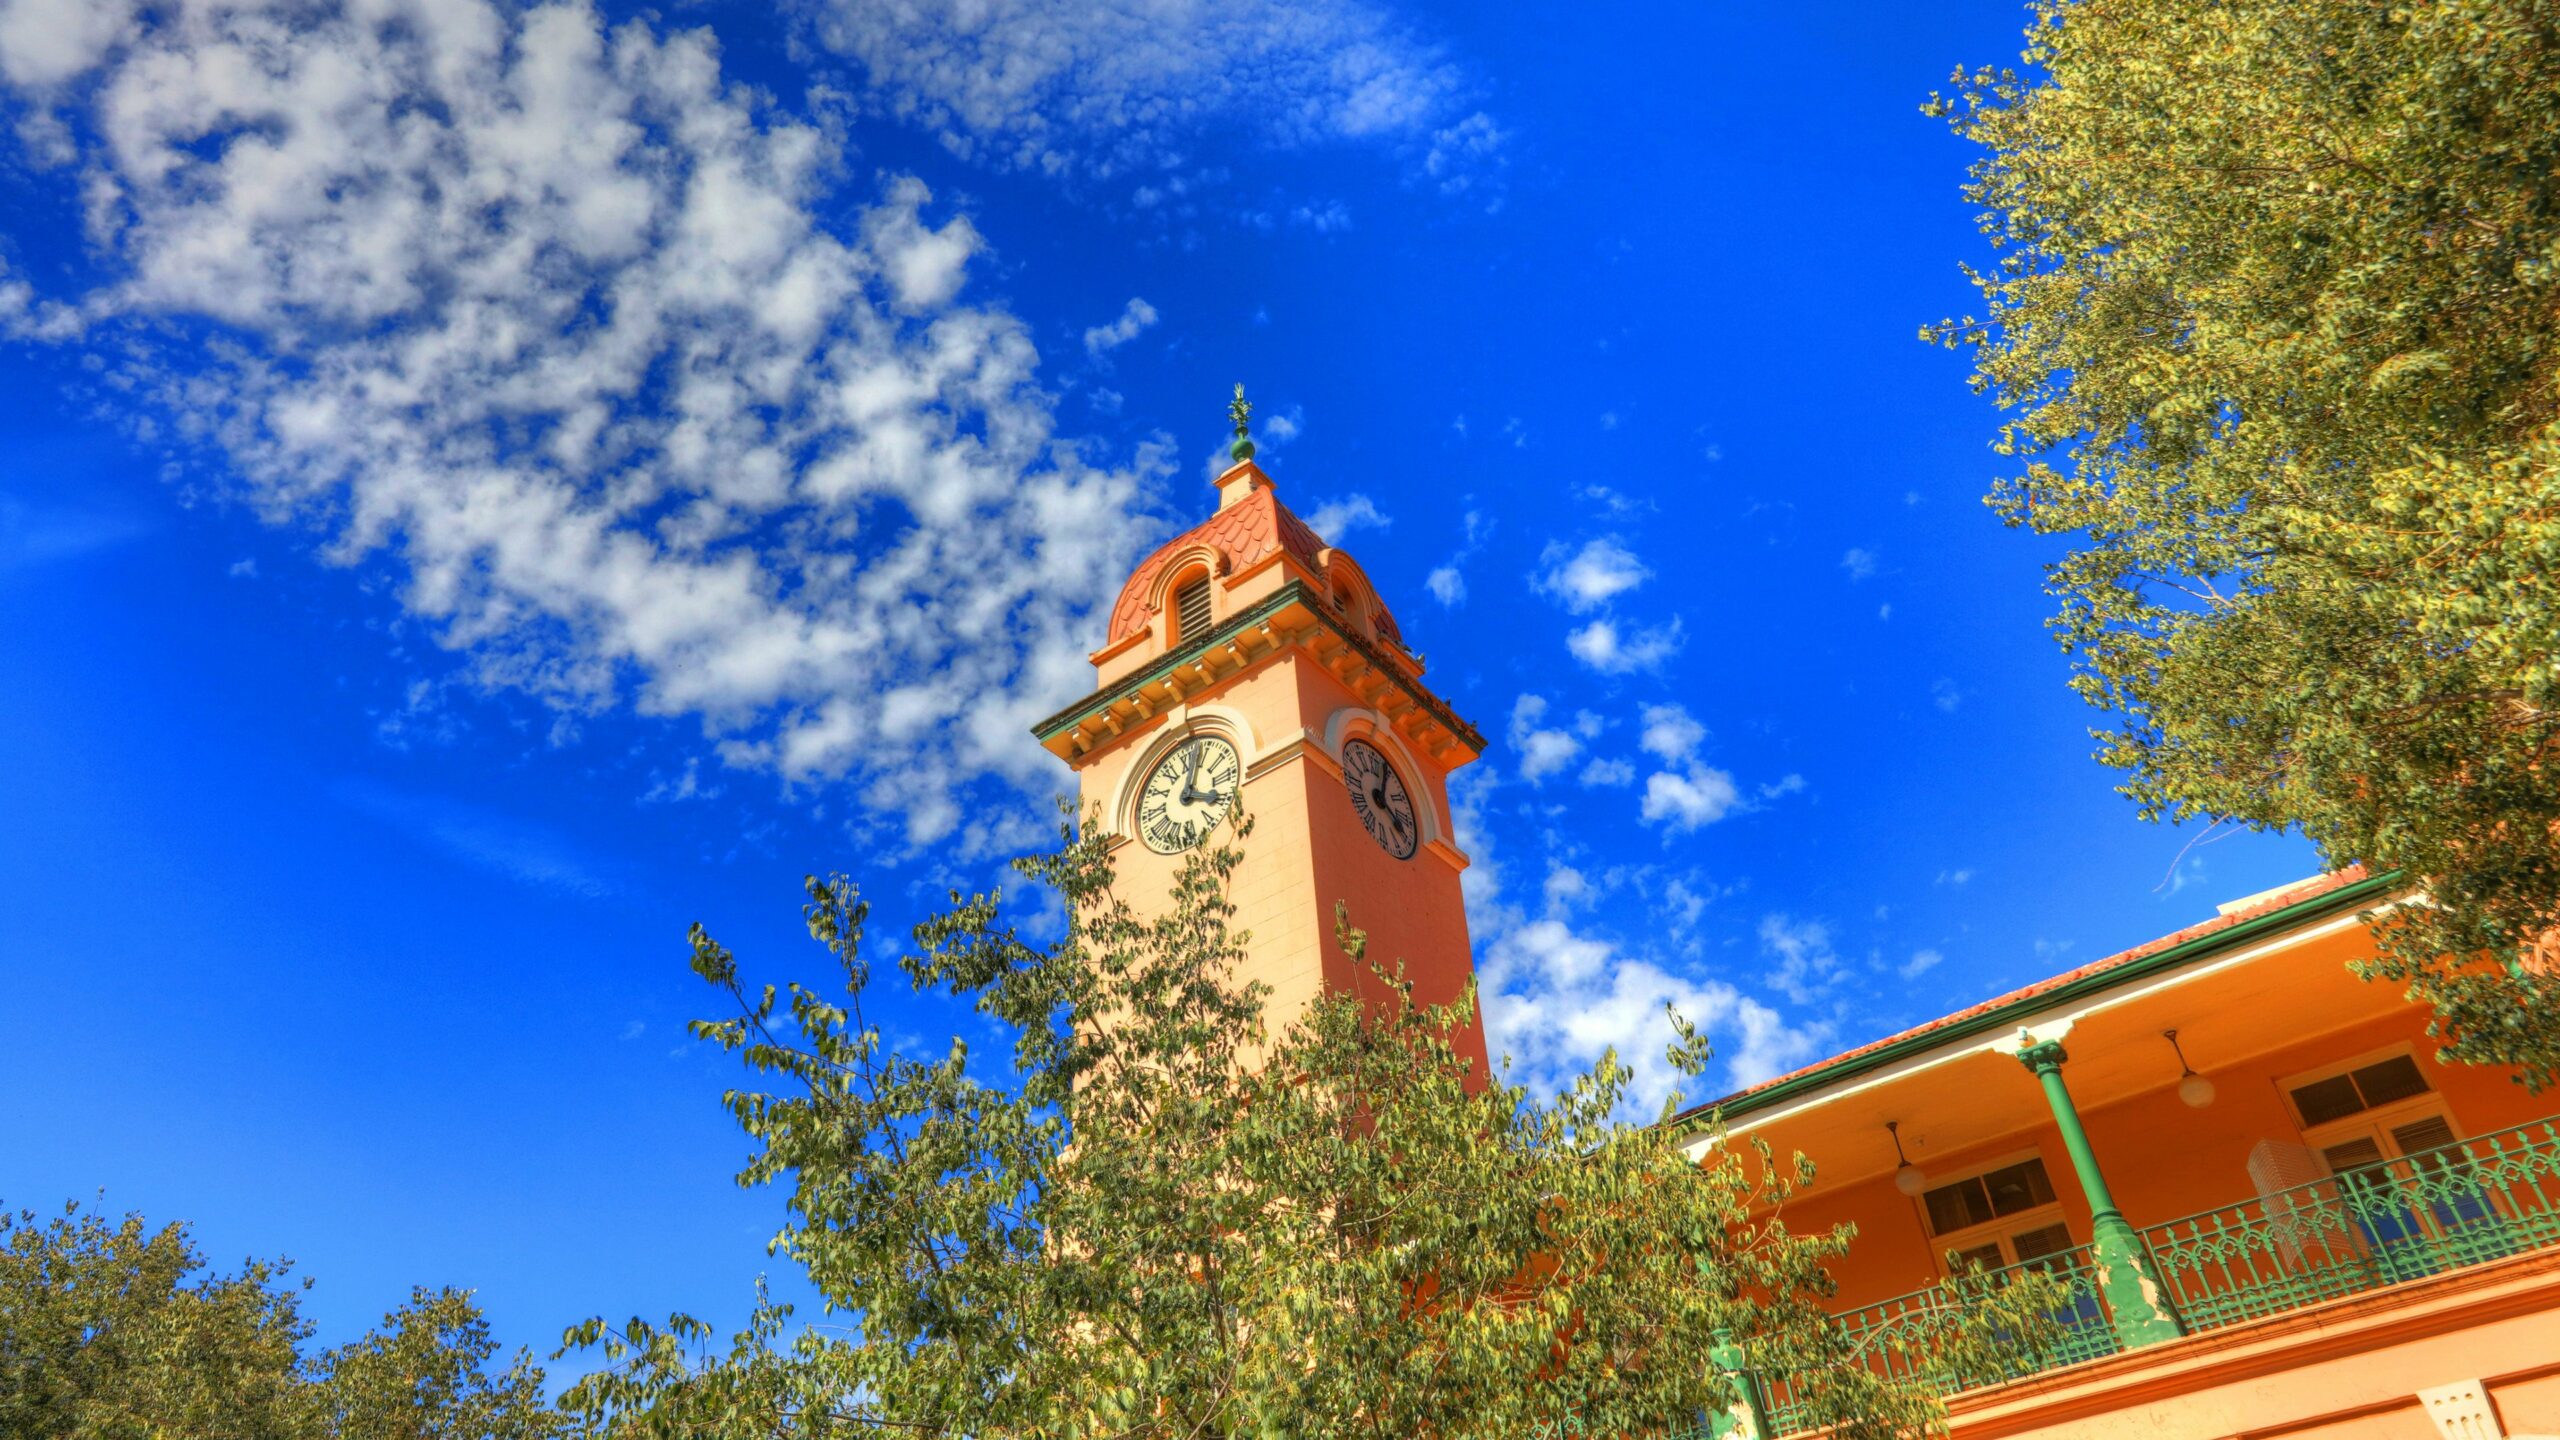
x=1248, y=655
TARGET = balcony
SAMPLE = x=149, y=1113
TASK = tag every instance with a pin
x=2406, y=1219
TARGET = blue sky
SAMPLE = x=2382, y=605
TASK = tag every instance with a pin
x=486, y=487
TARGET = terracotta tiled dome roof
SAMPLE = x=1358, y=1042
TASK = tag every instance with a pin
x=1243, y=534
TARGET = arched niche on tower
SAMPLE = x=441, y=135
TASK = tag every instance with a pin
x=1349, y=590
x=1183, y=722
x=1353, y=722
x=1189, y=563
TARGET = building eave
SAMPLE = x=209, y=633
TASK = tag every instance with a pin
x=2006, y=1012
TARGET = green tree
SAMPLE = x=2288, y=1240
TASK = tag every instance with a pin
x=115, y=1331
x=1150, y=1215
x=2273, y=315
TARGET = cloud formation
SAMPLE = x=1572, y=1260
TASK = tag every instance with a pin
x=1336, y=518
x=543, y=316
x=1085, y=87
x=1556, y=992
x=1807, y=967
x=1606, y=647
x=1585, y=579
x=1556, y=997
x=1545, y=749
x=1100, y=340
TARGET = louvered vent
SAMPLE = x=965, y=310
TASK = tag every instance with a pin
x=1191, y=610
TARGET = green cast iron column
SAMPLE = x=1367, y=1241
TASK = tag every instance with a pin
x=1744, y=1419
x=2134, y=1294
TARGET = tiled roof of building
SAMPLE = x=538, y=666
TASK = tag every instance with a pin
x=2258, y=908
x=1243, y=534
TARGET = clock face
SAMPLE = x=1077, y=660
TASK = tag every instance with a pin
x=1379, y=798
x=1188, y=793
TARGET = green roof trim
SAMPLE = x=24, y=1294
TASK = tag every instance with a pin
x=1295, y=592
x=2000, y=1017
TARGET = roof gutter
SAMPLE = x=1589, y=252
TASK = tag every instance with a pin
x=2001, y=1017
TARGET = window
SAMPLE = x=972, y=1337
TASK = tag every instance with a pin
x=1191, y=609
x=2358, y=1149
x=2006, y=1215
x=1981, y=1199
x=2368, y=1087
x=2370, y=1110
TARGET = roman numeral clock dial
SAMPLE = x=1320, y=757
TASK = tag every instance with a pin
x=1189, y=792
x=1380, y=799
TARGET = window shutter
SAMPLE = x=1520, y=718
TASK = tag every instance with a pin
x=1191, y=610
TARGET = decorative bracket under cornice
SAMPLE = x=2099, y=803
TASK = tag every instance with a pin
x=1291, y=617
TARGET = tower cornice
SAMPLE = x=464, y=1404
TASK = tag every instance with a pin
x=1292, y=617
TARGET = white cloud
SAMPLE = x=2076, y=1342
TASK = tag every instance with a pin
x=1783, y=786
x=686, y=784
x=1944, y=694
x=1860, y=563
x=1670, y=732
x=1543, y=749
x=1323, y=219
x=1448, y=583
x=1603, y=647
x=1686, y=799
x=1466, y=155
x=1555, y=998
x=1583, y=580
x=1470, y=792
x=1609, y=772
x=1807, y=966
x=1095, y=88
x=1920, y=963
x=1102, y=339
x=548, y=316
x=1566, y=887
x=46, y=42
x=1335, y=519
x=1682, y=904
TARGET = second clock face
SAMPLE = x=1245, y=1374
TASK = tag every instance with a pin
x=1187, y=794
x=1379, y=798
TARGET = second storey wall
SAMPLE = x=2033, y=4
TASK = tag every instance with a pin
x=2162, y=1159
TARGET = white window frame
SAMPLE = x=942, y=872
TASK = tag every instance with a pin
x=2000, y=1230
x=2377, y=1123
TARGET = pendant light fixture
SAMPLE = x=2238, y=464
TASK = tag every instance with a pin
x=1908, y=1178
x=2193, y=1088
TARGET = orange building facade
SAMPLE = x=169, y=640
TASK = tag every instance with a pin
x=2274, y=1212
x=2288, y=1220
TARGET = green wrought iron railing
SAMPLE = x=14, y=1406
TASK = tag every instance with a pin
x=2404, y=1219
x=1952, y=1337
x=2478, y=1200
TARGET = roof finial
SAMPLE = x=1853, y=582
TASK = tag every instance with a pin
x=1240, y=410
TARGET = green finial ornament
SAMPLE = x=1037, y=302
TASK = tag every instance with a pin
x=1240, y=410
